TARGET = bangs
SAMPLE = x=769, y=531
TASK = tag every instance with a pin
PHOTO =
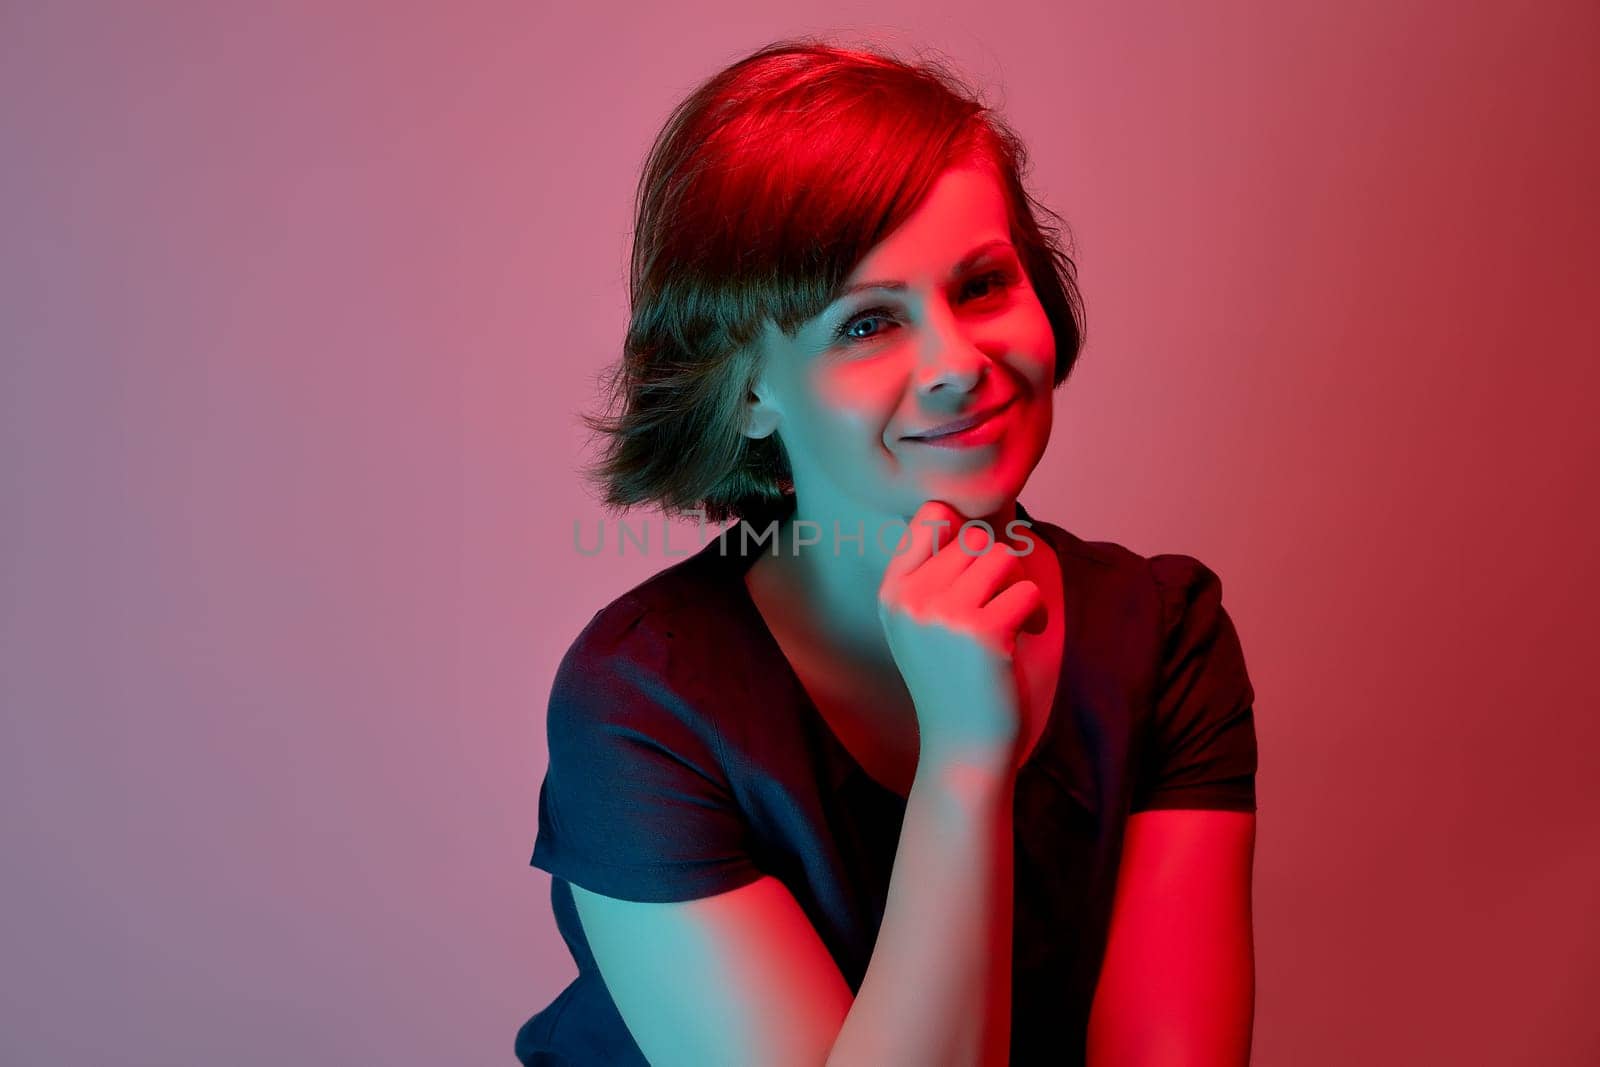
x=791, y=191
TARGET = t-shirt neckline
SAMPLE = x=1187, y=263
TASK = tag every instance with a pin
x=739, y=562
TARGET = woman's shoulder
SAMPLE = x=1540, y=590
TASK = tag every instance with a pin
x=683, y=605
x=1163, y=582
x=1101, y=560
x=668, y=658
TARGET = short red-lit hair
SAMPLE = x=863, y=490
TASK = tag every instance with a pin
x=763, y=190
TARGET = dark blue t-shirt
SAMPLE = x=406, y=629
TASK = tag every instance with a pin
x=686, y=759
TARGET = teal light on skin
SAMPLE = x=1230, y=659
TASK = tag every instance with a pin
x=936, y=349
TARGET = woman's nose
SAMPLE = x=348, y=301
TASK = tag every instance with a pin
x=947, y=359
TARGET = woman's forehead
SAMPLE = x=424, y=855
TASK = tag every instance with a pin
x=964, y=212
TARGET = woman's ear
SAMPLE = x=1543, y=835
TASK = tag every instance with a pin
x=760, y=417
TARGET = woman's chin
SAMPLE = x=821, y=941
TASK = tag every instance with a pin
x=976, y=487
x=982, y=493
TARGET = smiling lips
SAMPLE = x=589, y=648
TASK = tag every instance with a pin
x=961, y=424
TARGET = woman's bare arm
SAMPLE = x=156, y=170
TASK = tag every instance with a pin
x=1178, y=981
x=938, y=988
x=742, y=977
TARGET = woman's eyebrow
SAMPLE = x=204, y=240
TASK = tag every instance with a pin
x=965, y=262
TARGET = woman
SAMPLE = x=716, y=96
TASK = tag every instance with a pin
x=874, y=790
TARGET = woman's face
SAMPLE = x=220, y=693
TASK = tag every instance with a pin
x=940, y=335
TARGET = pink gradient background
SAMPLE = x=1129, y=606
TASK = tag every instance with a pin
x=298, y=309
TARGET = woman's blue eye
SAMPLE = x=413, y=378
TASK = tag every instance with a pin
x=996, y=278
x=869, y=315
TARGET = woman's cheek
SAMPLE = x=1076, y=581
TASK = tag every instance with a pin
x=863, y=400
x=834, y=418
x=1027, y=335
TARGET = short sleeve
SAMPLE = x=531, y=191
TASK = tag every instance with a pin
x=1202, y=751
x=635, y=804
